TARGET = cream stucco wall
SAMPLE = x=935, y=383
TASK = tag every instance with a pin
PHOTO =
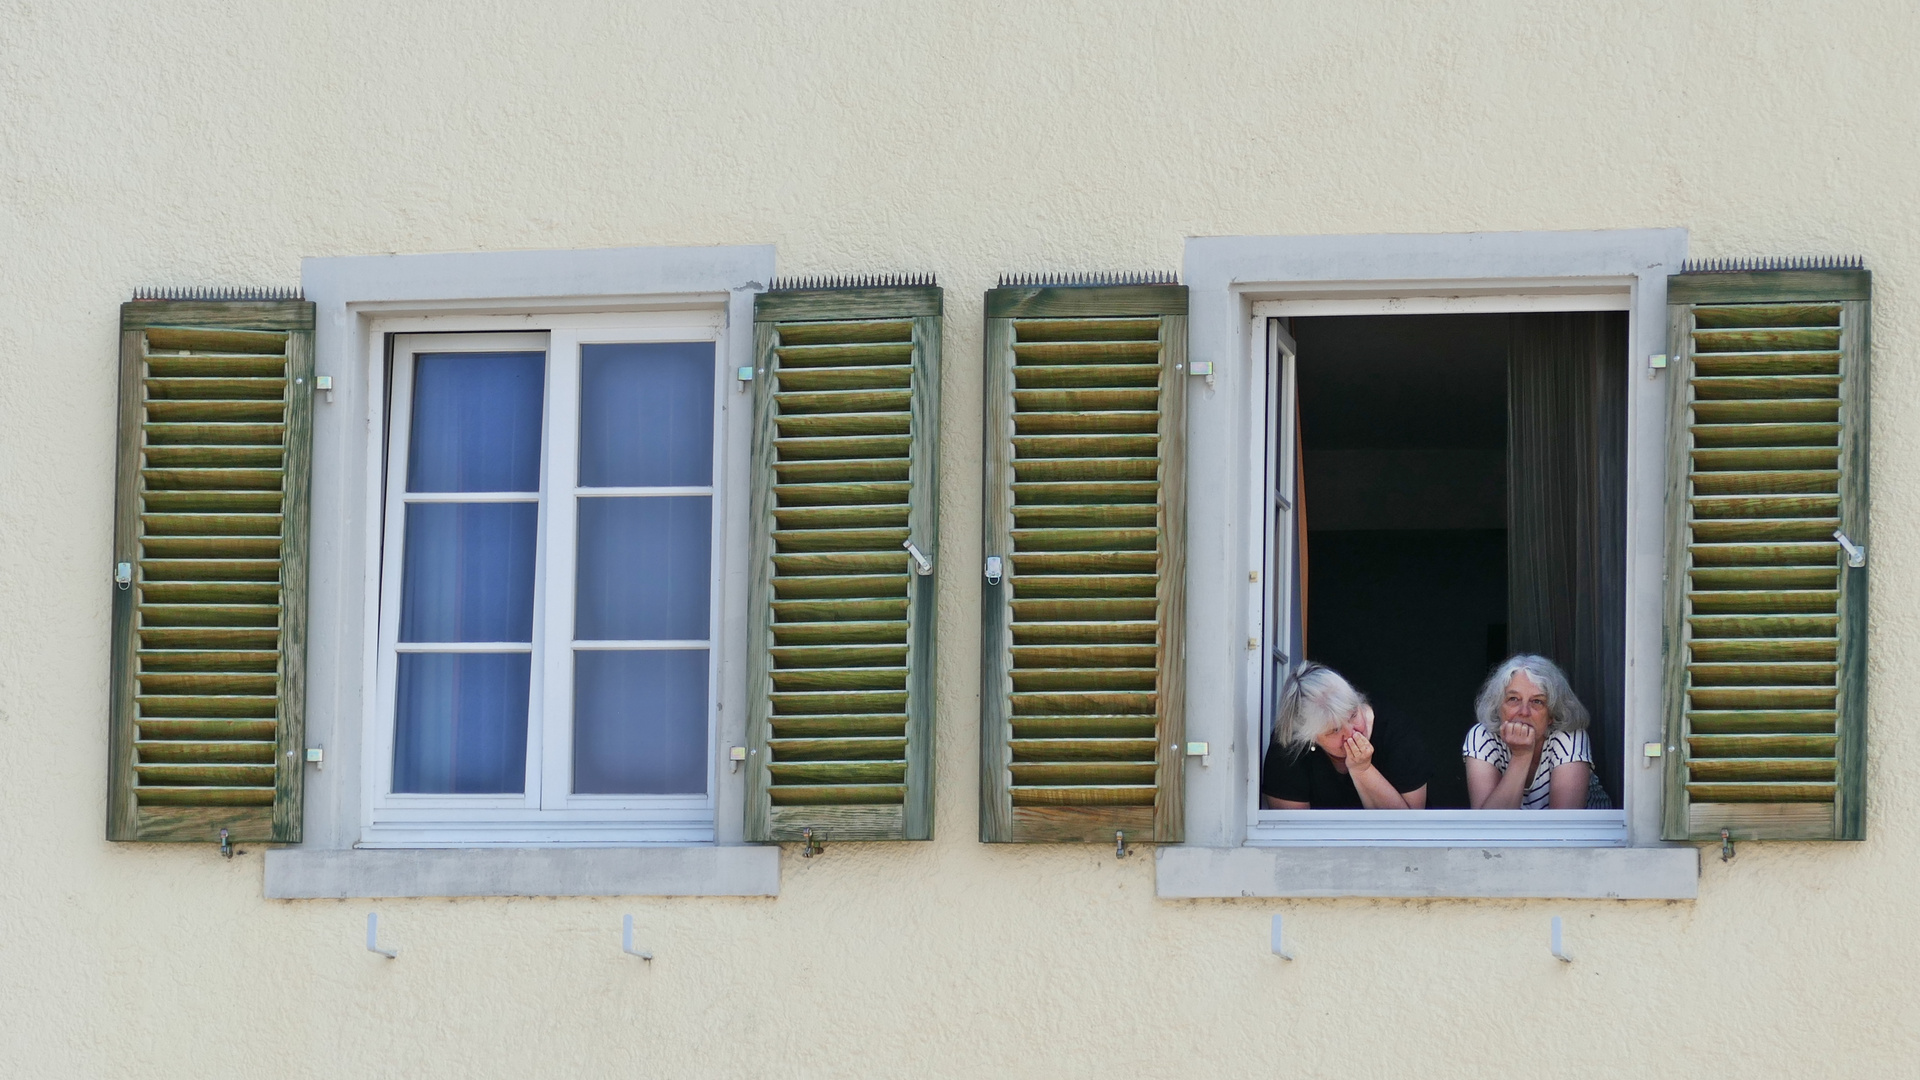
x=206, y=143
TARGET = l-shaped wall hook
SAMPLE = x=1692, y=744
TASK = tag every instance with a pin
x=1556, y=945
x=373, y=937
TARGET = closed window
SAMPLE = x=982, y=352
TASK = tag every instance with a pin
x=547, y=661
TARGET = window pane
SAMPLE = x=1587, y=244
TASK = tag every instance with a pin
x=476, y=422
x=469, y=572
x=646, y=414
x=460, y=723
x=640, y=722
x=643, y=568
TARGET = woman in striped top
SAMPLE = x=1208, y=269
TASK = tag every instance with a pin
x=1528, y=714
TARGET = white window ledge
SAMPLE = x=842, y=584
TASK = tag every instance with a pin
x=1650, y=873
x=705, y=870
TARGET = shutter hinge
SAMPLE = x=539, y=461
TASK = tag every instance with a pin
x=123, y=575
x=324, y=383
x=1856, y=553
x=744, y=376
x=316, y=757
x=1655, y=364
x=737, y=755
x=995, y=569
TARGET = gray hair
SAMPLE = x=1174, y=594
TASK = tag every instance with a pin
x=1315, y=700
x=1562, y=704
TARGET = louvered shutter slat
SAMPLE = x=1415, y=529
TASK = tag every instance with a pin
x=1081, y=681
x=209, y=633
x=840, y=733
x=1767, y=620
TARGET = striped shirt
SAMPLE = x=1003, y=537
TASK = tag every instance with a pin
x=1563, y=748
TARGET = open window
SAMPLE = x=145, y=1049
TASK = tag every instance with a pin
x=1441, y=491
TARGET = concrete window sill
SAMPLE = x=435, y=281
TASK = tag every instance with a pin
x=1654, y=873
x=702, y=870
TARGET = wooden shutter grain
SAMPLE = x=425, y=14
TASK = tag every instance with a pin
x=840, y=730
x=1766, y=636
x=1082, y=672
x=209, y=640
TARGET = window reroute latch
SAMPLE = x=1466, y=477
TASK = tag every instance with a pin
x=921, y=564
x=1856, y=553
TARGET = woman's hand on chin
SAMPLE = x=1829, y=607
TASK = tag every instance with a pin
x=1519, y=736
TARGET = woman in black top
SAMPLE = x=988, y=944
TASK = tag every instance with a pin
x=1333, y=751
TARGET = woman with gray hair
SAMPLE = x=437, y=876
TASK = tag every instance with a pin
x=1529, y=750
x=1332, y=751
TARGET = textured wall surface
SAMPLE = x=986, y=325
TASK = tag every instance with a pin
x=209, y=143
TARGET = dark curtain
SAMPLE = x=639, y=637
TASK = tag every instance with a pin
x=1566, y=509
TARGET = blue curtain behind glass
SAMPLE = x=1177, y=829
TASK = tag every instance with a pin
x=644, y=569
x=476, y=422
x=646, y=414
x=464, y=723
x=640, y=722
x=467, y=571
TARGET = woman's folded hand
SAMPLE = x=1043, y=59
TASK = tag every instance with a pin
x=1520, y=737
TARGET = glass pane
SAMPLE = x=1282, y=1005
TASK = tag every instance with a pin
x=643, y=568
x=460, y=723
x=469, y=572
x=640, y=722
x=646, y=414
x=476, y=422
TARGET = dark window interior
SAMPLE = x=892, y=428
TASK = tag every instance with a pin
x=1404, y=424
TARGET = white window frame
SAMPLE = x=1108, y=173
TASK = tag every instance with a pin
x=547, y=809
x=1273, y=350
x=497, y=291
x=1234, y=848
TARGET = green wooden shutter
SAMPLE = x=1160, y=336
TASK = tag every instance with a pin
x=1766, y=636
x=210, y=537
x=1082, y=662
x=840, y=679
